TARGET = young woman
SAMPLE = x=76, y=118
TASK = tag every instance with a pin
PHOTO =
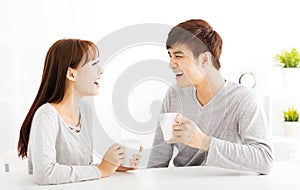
x=56, y=134
x=221, y=124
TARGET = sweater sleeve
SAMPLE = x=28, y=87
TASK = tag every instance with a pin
x=45, y=168
x=161, y=151
x=255, y=152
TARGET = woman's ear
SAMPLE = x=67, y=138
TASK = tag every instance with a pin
x=71, y=74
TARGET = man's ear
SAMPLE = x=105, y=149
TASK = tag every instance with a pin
x=71, y=74
x=205, y=58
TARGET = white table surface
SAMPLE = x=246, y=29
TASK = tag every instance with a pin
x=284, y=175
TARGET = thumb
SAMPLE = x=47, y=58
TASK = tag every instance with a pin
x=178, y=118
x=141, y=149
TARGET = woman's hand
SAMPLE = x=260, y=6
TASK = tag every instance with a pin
x=187, y=132
x=134, y=162
x=112, y=159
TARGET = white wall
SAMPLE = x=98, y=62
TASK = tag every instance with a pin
x=252, y=31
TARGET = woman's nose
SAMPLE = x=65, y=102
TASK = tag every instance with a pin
x=100, y=70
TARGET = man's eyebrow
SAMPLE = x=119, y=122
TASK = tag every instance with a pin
x=176, y=52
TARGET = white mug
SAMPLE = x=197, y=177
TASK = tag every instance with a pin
x=166, y=121
x=131, y=147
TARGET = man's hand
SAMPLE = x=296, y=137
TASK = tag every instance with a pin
x=187, y=132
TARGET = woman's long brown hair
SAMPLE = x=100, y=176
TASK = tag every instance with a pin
x=62, y=54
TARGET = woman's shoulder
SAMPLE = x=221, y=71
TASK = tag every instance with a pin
x=46, y=115
x=46, y=108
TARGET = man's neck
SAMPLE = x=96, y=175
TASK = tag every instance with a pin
x=208, y=87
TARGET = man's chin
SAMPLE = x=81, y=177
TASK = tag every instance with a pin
x=183, y=85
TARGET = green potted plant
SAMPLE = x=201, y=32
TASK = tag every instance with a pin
x=288, y=59
x=291, y=123
x=290, y=62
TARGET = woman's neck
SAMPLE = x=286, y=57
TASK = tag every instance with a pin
x=68, y=108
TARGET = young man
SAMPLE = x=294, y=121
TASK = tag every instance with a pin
x=221, y=123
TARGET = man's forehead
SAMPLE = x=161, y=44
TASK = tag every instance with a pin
x=179, y=50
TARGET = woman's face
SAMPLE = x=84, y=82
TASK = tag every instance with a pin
x=87, y=77
x=186, y=68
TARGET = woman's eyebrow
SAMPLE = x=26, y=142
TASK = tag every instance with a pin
x=97, y=61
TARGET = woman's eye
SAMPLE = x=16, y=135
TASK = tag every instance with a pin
x=95, y=62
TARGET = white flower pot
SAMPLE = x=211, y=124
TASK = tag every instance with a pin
x=291, y=129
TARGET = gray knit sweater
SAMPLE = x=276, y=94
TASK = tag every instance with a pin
x=240, y=137
x=57, y=154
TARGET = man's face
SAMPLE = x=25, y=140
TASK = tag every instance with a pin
x=185, y=67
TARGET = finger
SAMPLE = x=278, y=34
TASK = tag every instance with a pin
x=119, y=151
x=121, y=160
x=123, y=168
x=128, y=168
x=178, y=118
x=182, y=126
x=177, y=134
x=177, y=127
x=118, y=154
x=133, y=167
x=116, y=146
x=134, y=163
x=141, y=149
x=137, y=156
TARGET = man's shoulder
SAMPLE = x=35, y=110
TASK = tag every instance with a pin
x=177, y=91
x=238, y=89
x=240, y=93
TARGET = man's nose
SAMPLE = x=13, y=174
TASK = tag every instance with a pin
x=172, y=63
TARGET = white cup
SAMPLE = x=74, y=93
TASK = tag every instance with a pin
x=131, y=147
x=166, y=121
